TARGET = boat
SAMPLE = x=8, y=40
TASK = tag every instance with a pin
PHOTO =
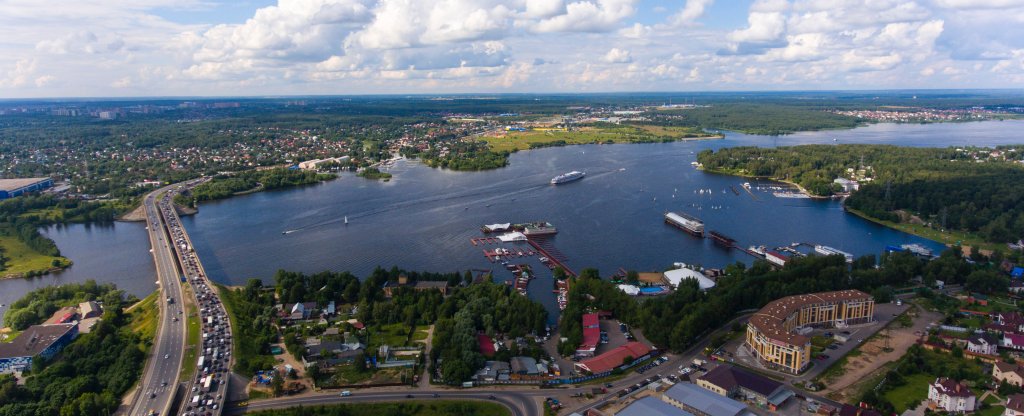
x=759, y=250
x=567, y=177
x=685, y=222
x=346, y=220
x=780, y=194
x=829, y=251
x=540, y=228
x=917, y=249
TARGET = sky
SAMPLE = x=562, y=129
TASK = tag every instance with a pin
x=137, y=48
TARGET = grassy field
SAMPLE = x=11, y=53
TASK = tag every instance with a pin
x=513, y=141
x=191, y=341
x=406, y=408
x=395, y=335
x=22, y=259
x=145, y=315
x=911, y=393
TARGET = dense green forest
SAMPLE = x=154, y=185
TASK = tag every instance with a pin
x=432, y=408
x=224, y=186
x=759, y=118
x=36, y=306
x=962, y=189
x=89, y=376
x=374, y=173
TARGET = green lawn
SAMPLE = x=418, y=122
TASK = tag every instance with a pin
x=913, y=392
x=405, y=408
x=992, y=411
x=395, y=335
x=188, y=365
x=144, y=317
x=22, y=259
x=586, y=135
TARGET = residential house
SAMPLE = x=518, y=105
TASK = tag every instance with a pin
x=983, y=343
x=1014, y=405
x=403, y=281
x=1010, y=373
x=297, y=311
x=950, y=396
x=89, y=309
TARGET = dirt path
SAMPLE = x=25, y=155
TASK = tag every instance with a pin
x=873, y=354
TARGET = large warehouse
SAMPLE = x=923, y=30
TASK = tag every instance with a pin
x=772, y=332
x=10, y=188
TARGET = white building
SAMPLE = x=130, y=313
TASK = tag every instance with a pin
x=983, y=344
x=950, y=396
x=675, y=277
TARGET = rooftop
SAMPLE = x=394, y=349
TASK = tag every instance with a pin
x=728, y=377
x=704, y=401
x=651, y=406
x=770, y=318
x=34, y=340
x=13, y=184
x=613, y=358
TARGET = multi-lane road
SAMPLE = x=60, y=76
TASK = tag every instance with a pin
x=160, y=377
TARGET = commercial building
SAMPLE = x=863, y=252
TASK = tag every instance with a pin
x=677, y=276
x=950, y=396
x=38, y=340
x=740, y=384
x=591, y=335
x=651, y=406
x=772, y=332
x=10, y=188
x=614, y=358
x=702, y=402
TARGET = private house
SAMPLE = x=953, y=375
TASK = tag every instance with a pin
x=950, y=396
x=1014, y=405
x=89, y=309
x=1010, y=373
x=983, y=343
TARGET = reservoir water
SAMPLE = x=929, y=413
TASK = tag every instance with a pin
x=424, y=218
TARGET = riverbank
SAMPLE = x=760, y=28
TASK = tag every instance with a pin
x=963, y=239
x=21, y=261
x=625, y=134
x=799, y=188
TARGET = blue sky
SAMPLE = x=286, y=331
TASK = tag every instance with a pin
x=284, y=47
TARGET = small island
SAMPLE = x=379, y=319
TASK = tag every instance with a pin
x=374, y=173
x=245, y=182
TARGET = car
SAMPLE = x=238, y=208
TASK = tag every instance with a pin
x=435, y=395
x=163, y=383
x=492, y=397
x=166, y=356
x=408, y=396
x=345, y=393
x=833, y=347
x=608, y=385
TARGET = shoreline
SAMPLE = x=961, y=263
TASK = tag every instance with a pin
x=793, y=184
x=970, y=245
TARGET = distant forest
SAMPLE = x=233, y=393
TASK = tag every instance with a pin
x=945, y=187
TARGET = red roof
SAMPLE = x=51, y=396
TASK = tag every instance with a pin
x=486, y=345
x=778, y=255
x=1015, y=339
x=591, y=332
x=359, y=325
x=613, y=358
x=590, y=320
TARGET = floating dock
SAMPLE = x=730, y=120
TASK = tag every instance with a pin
x=548, y=250
x=685, y=222
x=722, y=239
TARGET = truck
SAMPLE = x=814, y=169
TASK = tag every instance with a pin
x=201, y=360
x=195, y=400
x=206, y=384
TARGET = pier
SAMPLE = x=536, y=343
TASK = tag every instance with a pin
x=548, y=250
x=722, y=239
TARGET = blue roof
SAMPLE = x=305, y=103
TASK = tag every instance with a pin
x=705, y=401
x=652, y=406
x=1017, y=271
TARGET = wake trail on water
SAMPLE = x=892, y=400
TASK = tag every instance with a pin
x=490, y=193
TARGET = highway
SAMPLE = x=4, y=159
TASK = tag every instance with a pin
x=155, y=394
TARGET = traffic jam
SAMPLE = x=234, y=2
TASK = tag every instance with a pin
x=205, y=395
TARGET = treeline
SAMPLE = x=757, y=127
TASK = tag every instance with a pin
x=38, y=305
x=919, y=360
x=87, y=378
x=463, y=156
x=946, y=188
x=223, y=186
x=374, y=173
x=762, y=118
x=677, y=320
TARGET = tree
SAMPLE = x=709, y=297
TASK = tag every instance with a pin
x=277, y=384
x=632, y=277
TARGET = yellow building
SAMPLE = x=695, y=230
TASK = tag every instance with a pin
x=771, y=332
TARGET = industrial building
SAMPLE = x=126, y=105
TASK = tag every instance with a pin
x=10, y=188
x=38, y=340
x=702, y=402
x=772, y=333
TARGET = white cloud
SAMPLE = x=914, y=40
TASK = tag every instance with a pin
x=589, y=16
x=618, y=56
x=693, y=10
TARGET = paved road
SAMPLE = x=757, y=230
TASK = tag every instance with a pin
x=519, y=403
x=160, y=376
